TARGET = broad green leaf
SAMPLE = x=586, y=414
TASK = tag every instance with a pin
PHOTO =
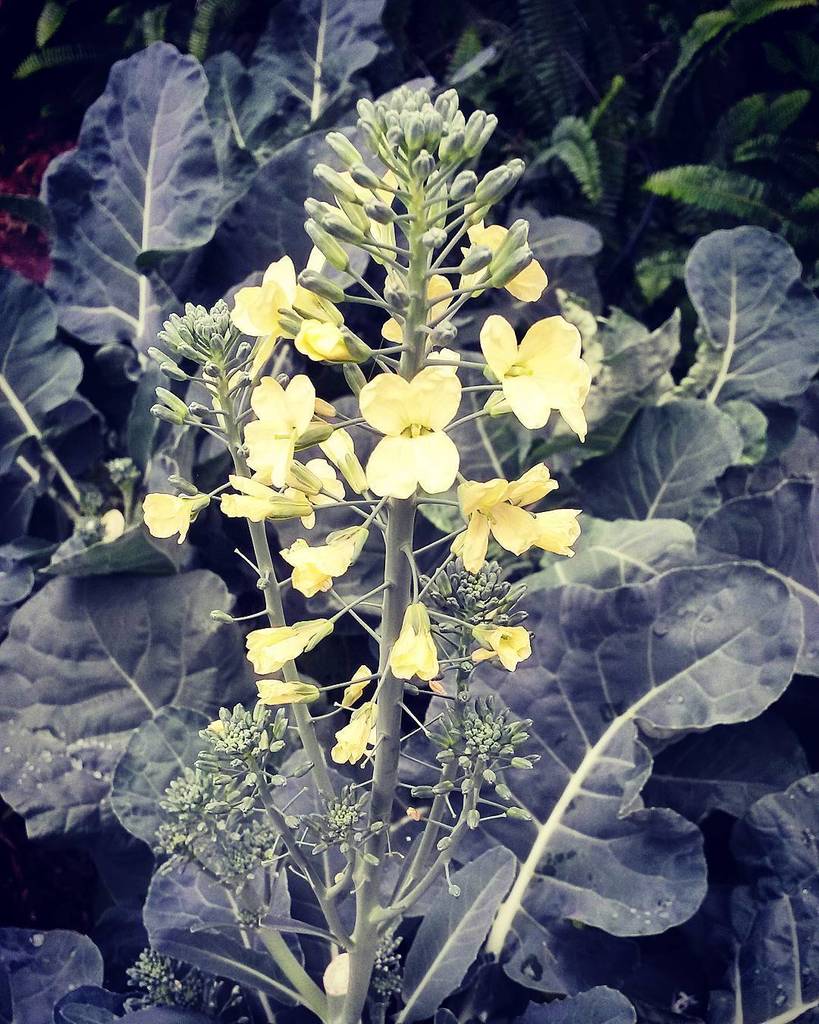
x=753, y=429
x=721, y=769
x=135, y=551
x=309, y=52
x=157, y=752
x=760, y=320
x=597, y=1006
x=143, y=180
x=452, y=933
x=776, y=529
x=775, y=974
x=611, y=554
x=37, y=373
x=558, y=957
x=193, y=917
x=87, y=661
x=692, y=648
x=631, y=369
x=38, y=968
x=664, y=465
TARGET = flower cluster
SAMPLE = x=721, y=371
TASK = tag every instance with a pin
x=414, y=210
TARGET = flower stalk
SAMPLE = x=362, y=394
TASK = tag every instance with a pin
x=442, y=606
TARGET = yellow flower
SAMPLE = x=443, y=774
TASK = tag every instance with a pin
x=362, y=677
x=316, y=481
x=557, y=530
x=546, y=372
x=217, y=727
x=283, y=416
x=167, y=514
x=495, y=507
x=509, y=644
x=412, y=413
x=256, y=309
x=413, y=653
x=340, y=450
x=269, y=649
x=322, y=342
x=258, y=502
x=275, y=691
x=528, y=285
x=315, y=568
x=354, y=739
x=438, y=287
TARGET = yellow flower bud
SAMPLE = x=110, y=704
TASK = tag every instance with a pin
x=339, y=449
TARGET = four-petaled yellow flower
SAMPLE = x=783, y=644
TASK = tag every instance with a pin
x=283, y=416
x=167, y=514
x=315, y=568
x=528, y=285
x=438, y=287
x=258, y=502
x=361, y=679
x=413, y=414
x=269, y=649
x=546, y=372
x=413, y=653
x=357, y=737
x=257, y=309
x=509, y=644
x=277, y=691
x=495, y=507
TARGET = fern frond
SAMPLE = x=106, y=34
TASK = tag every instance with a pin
x=706, y=187
x=573, y=145
x=207, y=11
x=50, y=19
x=550, y=39
x=59, y=56
x=706, y=29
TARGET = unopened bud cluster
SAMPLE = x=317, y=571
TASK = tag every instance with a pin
x=203, y=336
x=484, y=740
x=477, y=597
x=163, y=981
x=340, y=824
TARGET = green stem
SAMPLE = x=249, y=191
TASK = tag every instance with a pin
x=309, y=993
x=273, y=604
x=398, y=573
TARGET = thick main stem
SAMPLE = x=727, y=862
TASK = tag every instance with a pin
x=398, y=573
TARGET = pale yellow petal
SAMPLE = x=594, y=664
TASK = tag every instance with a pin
x=528, y=401
x=529, y=284
x=535, y=484
x=436, y=459
x=557, y=530
x=498, y=344
x=387, y=403
x=435, y=394
x=475, y=543
x=391, y=468
x=513, y=528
